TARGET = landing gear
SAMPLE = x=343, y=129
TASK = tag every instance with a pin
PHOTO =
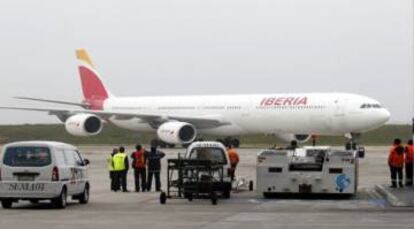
x=230, y=141
x=161, y=144
x=352, y=141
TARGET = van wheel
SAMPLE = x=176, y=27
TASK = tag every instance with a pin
x=6, y=204
x=61, y=201
x=84, y=197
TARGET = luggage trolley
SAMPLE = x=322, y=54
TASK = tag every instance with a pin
x=193, y=179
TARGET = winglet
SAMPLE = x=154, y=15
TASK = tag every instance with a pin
x=82, y=55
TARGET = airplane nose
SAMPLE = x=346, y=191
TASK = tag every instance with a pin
x=384, y=116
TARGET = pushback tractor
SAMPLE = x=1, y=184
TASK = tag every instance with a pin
x=308, y=170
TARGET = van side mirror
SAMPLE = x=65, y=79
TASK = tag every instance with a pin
x=361, y=152
x=86, y=162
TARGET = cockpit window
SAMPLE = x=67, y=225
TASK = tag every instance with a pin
x=371, y=106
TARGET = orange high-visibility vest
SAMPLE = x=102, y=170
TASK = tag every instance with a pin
x=139, y=159
x=233, y=156
x=409, y=154
x=395, y=159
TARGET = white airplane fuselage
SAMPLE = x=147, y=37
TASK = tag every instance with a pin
x=313, y=113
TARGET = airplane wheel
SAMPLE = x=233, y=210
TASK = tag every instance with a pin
x=251, y=185
x=163, y=198
x=214, y=198
x=236, y=143
x=154, y=142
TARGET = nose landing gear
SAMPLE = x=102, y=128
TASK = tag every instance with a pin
x=352, y=141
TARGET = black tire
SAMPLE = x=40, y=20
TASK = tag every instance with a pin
x=190, y=197
x=163, y=198
x=220, y=140
x=154, y=142
x=227, y=194
x=185, y=146
x=251, y=186
x=162, y=144
x=214, y=198
x=236, y=143
x=61, y=201
x=34, y=201
x=267, y=195
x=84, y=197
x=6, y=204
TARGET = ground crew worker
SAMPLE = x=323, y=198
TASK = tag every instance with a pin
x=396, y=163
x=139, y=164
x=110, y=162
x=121, y=167
x=409, y=161
x=154, y=168
x=234, y=160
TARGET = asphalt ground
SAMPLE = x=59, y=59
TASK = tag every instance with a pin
x=244, y=210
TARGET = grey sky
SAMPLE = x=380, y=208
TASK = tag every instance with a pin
x=162, y=47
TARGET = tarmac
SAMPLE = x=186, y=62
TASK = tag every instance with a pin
x=368, y=209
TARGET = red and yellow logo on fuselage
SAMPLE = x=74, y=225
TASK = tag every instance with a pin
x=284, y=101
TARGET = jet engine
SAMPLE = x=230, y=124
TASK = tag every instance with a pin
x=300, y=138
x=177, y=132
x=84, y=125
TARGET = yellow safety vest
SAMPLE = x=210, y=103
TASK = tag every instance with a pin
x=110, y=161
x=119, y=161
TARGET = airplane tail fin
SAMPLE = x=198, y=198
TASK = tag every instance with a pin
x=94, y=90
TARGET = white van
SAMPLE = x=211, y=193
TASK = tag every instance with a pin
x=42, y=170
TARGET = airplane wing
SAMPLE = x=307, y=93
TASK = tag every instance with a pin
x=200, y=122
x=83, y=105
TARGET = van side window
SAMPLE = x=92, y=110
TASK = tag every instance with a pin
x=59, y=155
x=77, y=157
x=69, y=158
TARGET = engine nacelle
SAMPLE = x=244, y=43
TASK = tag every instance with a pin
x=299, y=138
x=83, y=125
x=177, y=132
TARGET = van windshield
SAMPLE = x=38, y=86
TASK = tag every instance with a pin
x=216, y=155
x=27, y=157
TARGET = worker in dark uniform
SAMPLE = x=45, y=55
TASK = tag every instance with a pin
x=396, y=163
x=121, y=167
x=154, y=168
x=139, y=164
x=409, y=161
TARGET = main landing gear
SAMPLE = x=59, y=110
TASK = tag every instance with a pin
x=161, y=144
x=235, y=142
x=230, y=141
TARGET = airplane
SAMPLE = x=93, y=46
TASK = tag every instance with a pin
x=181, y=119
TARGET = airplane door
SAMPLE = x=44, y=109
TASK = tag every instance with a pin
x=340, y=107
